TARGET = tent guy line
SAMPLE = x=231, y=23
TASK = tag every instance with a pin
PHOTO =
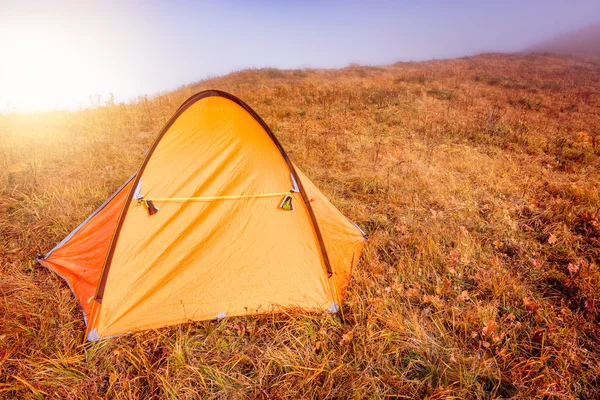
x=212, y=198
x=286, y=203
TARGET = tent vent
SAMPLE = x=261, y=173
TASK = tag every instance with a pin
x=93, y=336
x=221, y=315
x=333, y=308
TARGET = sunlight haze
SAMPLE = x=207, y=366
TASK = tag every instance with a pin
x=55, y=55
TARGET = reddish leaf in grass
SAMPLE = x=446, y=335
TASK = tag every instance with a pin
x=489, y=327
x=530, y=305
x=240, y=329
x=573, y=268
x=552, y=239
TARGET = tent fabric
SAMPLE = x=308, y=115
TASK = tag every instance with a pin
x=79, y=259
x=343, y=239
x=237, y=254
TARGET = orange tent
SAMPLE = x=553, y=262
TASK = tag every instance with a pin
x=217, y=222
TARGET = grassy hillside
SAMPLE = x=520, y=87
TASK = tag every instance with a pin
x=477, y=180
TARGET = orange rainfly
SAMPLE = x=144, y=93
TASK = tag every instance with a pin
x=217, y=222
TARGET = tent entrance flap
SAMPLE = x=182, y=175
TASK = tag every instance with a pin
x=79, y=258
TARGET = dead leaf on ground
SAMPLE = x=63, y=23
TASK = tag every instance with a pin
x=434, y=300
x=573, y=268
x=530, y=305
x=347, y=337
x=489, y=327
x=464, y=296
x=412, y=292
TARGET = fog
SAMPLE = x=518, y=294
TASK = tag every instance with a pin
x=56, y=55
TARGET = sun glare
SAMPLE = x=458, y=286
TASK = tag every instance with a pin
x=44, y=69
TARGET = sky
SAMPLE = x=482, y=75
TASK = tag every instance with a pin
x=56, y=54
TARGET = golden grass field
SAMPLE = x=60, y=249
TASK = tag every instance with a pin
x=477, y=180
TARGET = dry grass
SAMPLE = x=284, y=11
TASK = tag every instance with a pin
x=477, y=180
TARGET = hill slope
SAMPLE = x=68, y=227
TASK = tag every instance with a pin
x=585, y=41
x=476, y=179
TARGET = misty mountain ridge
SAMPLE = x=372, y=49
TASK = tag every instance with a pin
x=584, y=41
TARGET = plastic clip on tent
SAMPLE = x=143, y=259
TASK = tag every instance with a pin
x=214, y=249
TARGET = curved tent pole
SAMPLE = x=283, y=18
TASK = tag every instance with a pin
x=188, y=103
